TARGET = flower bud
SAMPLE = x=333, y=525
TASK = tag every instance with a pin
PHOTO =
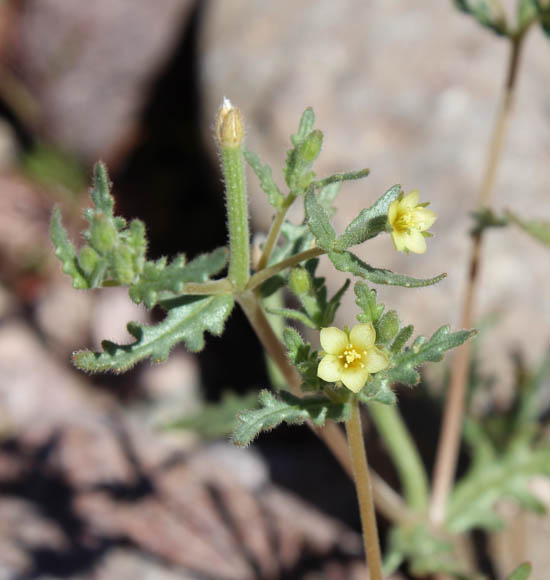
x=311, y=147
x=229, y=125
x=103, y=235
x=88, y=259
x=388, y=326
x=299, y=281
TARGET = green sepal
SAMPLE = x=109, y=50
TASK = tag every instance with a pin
x=318, y=221
x=267, y=183
x=401, y=339
x=186, y=321
x=387, y=327
x=305, y=359
x=537, y=229
x=289, y=409
x=216, y=420
x=369, y=223
x=114, y=253
x=348, y=262
x=522, y=572
x=158, y=277
x=299, y=160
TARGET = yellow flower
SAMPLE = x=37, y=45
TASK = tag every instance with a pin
x=350, y=357
x=409, y=221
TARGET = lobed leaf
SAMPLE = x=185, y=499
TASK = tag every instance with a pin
x=318, y=222
x=347, y=262
x=369, y=223
x=267, y=183
x=187, y=320
x=305, y=359
x=158, y=277
x=289, y=409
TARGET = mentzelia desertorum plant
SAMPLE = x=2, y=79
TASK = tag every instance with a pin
x=357, y=366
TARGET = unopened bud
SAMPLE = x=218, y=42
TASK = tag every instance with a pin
x=299, y=281
x=229, y=125
x=312, y=145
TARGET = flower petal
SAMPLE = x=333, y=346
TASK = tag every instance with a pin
x=330, y=368
x=415, y=242
x=362, y=336
x=392, y=211
x=376, y=360
x=354, y=379
x=398, y=241
x=333, y=340
x=425, y=218
x=410, y=201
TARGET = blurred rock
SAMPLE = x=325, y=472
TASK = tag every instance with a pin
x=92, y=76
x=409, y=90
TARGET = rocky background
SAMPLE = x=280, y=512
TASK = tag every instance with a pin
x=89, y=486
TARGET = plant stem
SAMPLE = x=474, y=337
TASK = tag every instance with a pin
x=449, y=441
x=388, y=501
x=261, y=276
x=273, y=235
x=404, y=453
x=222, y=286
x=364, y=492
x=237, y=216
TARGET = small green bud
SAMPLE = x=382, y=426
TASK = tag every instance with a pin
x=311, y=147
x=124, y=265
x=299, y=281
x=229, y=125
x=103, y=235
x=388, y=326
x=88, y=259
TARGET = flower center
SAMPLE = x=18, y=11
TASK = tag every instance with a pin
x=350, y=356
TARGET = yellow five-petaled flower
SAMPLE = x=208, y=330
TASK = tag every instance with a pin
x=410, y=221
x=350, y=357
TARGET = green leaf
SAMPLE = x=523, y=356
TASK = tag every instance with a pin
x=158, y=277
x=299, y=160
x=481, y=12
x=65, y=252
x=113, y=253
x=522, y=572
x=187, y=320
x=538, y=229
x=366, y=300
x=216, y=419
x=318, y=222
x=267, y=183
x=289, y=409
x=369, y=223
x=292, y=315
x=401, y=339
x=326, y=196
x=348, y=262
x=403, y=366
x=340, y=177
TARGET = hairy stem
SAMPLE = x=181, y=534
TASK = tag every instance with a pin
x=449, y=441
x=237, y=215
x=404, y=453
x=387, y=501
x=273, y=235
x=364, y=492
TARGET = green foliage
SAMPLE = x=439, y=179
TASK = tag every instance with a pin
x=404, y=362
x=267, y=183
x=481, y=11
x=217, y=419
x=522, y=572
x=543, y=9
x=305, y=359
x=289, y=409
x=486, y=218
x=187, y=320
x=318, y=222
x=316, y=312
x=507, y=451
x=536, y=228
x=348, y=262
x=369, y=223
x=159, y=277
x=113, y=253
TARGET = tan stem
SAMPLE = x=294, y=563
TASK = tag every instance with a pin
x=449, y=441
x=364, y=492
